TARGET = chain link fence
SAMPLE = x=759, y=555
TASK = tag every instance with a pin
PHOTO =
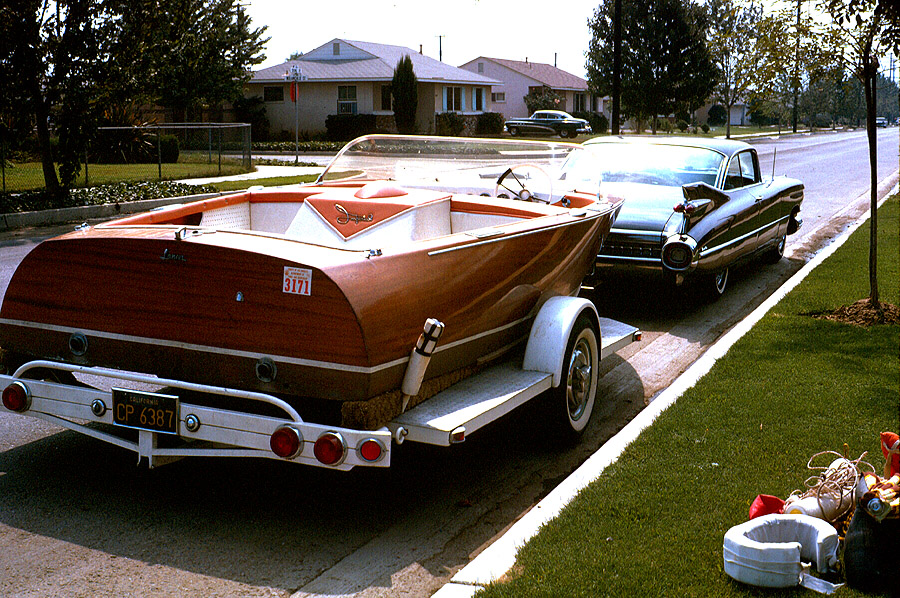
x=171, y=151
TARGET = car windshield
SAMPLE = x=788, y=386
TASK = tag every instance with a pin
x=654, y=164
x=443, y=163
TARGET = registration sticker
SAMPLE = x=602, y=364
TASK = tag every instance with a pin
x=297, y=281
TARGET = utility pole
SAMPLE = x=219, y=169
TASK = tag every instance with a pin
x=617, y=65
x=796, y=73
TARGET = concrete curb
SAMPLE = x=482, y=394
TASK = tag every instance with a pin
x=498, y=558
x=17, y=220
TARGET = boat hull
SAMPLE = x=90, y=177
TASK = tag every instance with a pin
x=210, y=308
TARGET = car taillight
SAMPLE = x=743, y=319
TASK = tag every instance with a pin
x=286, y=442
x=330, y=448
x=677, y=256
x=370, y=450
x=17, y=397
x=685, y=208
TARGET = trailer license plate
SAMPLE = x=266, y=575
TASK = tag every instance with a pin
x=145, y=410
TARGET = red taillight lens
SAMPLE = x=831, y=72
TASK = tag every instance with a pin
x=330, y=448
x=286, y=442
x=370, y=450
x=16, y=397
x=686, y=208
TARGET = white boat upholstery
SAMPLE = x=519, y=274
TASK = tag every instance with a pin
x=273, y=217
x=235, y=216
x=423, y=221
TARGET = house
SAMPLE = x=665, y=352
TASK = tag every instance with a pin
x=519, y=78
x=353, y=77
x=739, y=114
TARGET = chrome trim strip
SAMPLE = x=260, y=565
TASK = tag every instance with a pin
x=625, y=258
x=254, y=355
x=707, y=252
x=626, y=231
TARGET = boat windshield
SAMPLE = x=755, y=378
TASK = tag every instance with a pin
x=655, y=164
x=446, y=163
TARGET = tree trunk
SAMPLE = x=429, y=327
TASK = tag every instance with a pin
x=51, y=181
x=870, y=71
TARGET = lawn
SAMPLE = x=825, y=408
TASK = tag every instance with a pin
x=652, y=524
x=29, y=175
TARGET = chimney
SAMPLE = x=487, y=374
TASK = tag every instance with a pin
x=554, y=60
x=420, y=48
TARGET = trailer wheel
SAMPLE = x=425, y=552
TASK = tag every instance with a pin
x=573, y=400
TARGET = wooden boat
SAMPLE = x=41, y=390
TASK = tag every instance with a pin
x=317, y=291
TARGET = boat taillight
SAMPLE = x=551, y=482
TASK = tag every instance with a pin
x=330, y=448
x=286, y=442
x=370, y=450
x=17, y=397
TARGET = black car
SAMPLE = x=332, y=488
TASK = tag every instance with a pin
x=548, y=122
x=693, y=208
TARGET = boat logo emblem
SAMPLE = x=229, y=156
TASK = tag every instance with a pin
x=348, y=217
x=172, y=257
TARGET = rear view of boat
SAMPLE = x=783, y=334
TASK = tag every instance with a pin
x=308, y=304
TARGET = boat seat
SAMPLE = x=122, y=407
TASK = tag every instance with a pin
x=352, y=223
x=235, y=216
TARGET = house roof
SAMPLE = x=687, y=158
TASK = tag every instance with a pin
x=544, y=74
x=367, y=61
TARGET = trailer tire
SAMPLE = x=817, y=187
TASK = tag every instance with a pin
x=573, y=400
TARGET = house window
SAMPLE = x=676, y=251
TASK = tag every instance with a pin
x=386, y=97
x=480, y=67
x=336, y=49
x=453, y=99
x=579, y=102
x=478, y=98
x=273, y=93
x=346, y=99
x=499, y=96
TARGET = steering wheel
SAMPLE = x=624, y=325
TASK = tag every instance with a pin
x=522, y=174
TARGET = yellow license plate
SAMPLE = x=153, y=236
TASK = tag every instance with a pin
x=145, y=410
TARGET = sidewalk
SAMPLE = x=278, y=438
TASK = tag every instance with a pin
x=262, y=172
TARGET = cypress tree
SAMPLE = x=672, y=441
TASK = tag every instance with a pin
x=404, y=90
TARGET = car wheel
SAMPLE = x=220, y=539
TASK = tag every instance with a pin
x=573, y=400
x=513, y=131
x=718, y=283
x=774, y=255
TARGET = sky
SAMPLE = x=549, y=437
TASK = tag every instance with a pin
x=511, y=29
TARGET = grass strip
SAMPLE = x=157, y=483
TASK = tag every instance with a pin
x=265, y=182
x=652, y=524
x=30, y=176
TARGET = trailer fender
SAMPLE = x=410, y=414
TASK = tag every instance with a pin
x=549, y=334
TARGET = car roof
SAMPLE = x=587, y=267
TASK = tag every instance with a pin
x=728, y=147
x=552, y=112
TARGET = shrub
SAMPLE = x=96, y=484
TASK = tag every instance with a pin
x=682, y=125
x=450, y=123
x=252, y=110
x=717, y=115
x=489, y=123
x=344, y=127
x=168, y=149
x=543, y=99
x=598, y=121
x=705, y=127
